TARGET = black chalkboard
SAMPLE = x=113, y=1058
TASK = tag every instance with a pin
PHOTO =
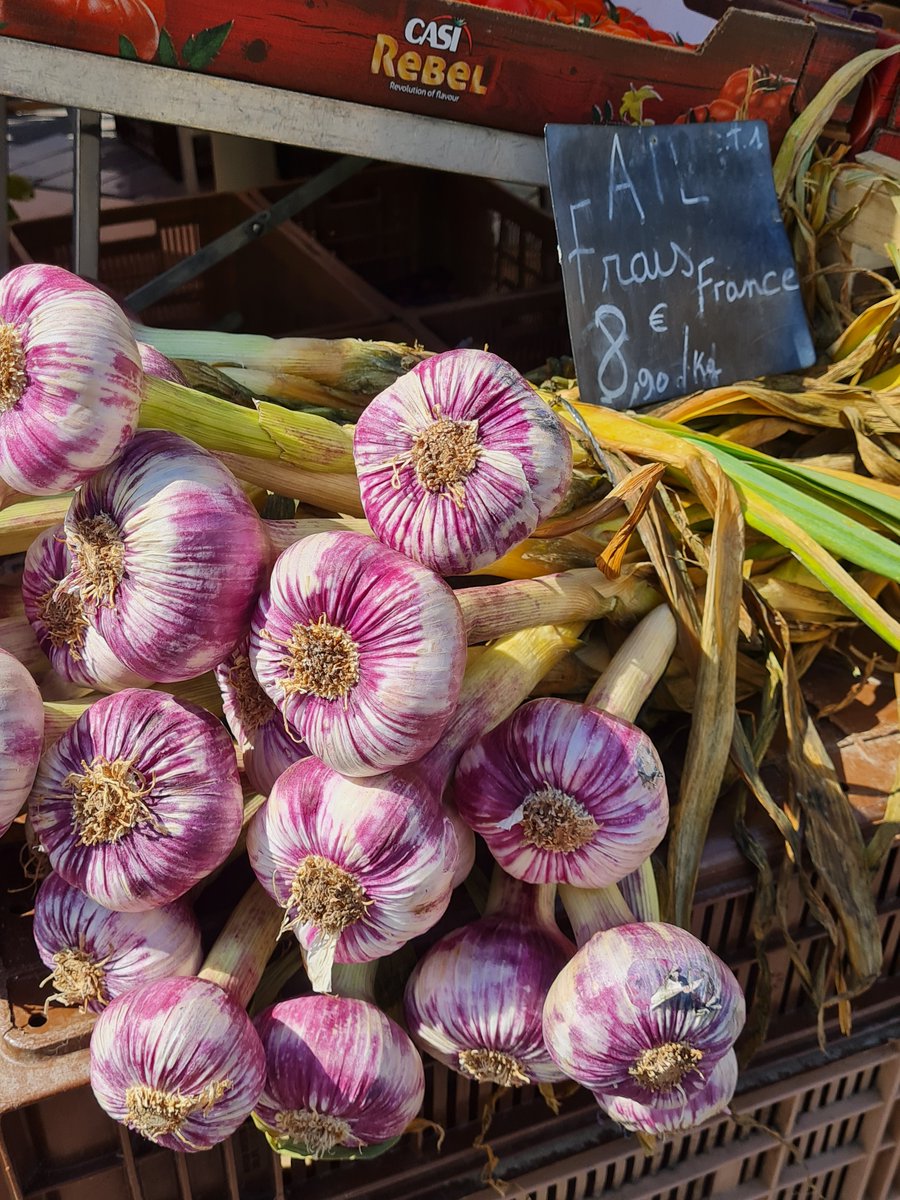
x=678, y=272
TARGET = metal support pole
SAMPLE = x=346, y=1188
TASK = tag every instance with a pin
x=242, y=235
x=86, y=203
x=4, y=171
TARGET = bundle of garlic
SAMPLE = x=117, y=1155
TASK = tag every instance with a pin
x=383, y=717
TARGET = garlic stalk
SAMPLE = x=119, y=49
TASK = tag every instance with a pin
x=77, y=652
x=459, y=460
x=643, y=1012
x=95, y=955
x=339, y=1074
x=168, y=557
x=360, y=369
x=138, y=800
x=362, y=866
x=669, y=1112
x=475, y=1000
x=70, y=380
x=23, y=521
x=563, y=792
x=21, y=735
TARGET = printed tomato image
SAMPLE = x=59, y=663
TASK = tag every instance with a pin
x=95, y=25
x=752, y=93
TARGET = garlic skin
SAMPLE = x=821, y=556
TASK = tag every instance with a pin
x=339, y=1073
x=96, y=955
x=644, y=1012
x=21, y=736
x=362, y=650
x=178, y=1061
x=671, y=1112
x=360, y=866
x=267, y=747
x=70, y=380
x=138, y=800
x=76, y=650
x=459, y=460
x=155, y=363
x=563, y=793
x=474, y=1001
x=168, y=557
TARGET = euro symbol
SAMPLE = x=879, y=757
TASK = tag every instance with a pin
x=658, y=319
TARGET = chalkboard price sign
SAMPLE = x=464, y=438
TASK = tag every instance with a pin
x=677, y=268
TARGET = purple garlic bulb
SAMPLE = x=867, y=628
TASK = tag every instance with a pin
x=76, y=650
x=21, y=736
x=475, y=1000
x=361, y=649
x=459, y=460
x=339, y=1073
x=563, y=793
x=96, y=955
x=168, y=557
x=138, y=800
x=178, y=1061
x=359, y=865
x=267, y=745
x=671, y=1112
x=643, y=1012
x=70, y=380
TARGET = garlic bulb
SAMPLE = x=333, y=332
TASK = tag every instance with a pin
x=168, y=557
x=459, y=460
x=360, y=866
x=643, y=1012
x=76, y=650
x=70, y=380
x=339, y=1073
x=178, y=1061
x=21, y=736
x=268, y=748
x=362, y=650
x=96, y=955
x=475, y=1000
x=669, y=1111
x=562, y=793
x=139, y=800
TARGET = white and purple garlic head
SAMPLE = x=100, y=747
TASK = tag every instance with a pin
x=360, y=866
x=459, y=460
x=21, y=736
x=178, y=1061
x=475, y=999
x=77, y=651
x=563, y=793
x=361, y=649
x=340, y=1075
x=643, y=1012
x=138, y=800
x=70, y=380
x=95, y=955
x=168, y=557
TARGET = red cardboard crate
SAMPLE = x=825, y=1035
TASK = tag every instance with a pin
x=459, y=60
